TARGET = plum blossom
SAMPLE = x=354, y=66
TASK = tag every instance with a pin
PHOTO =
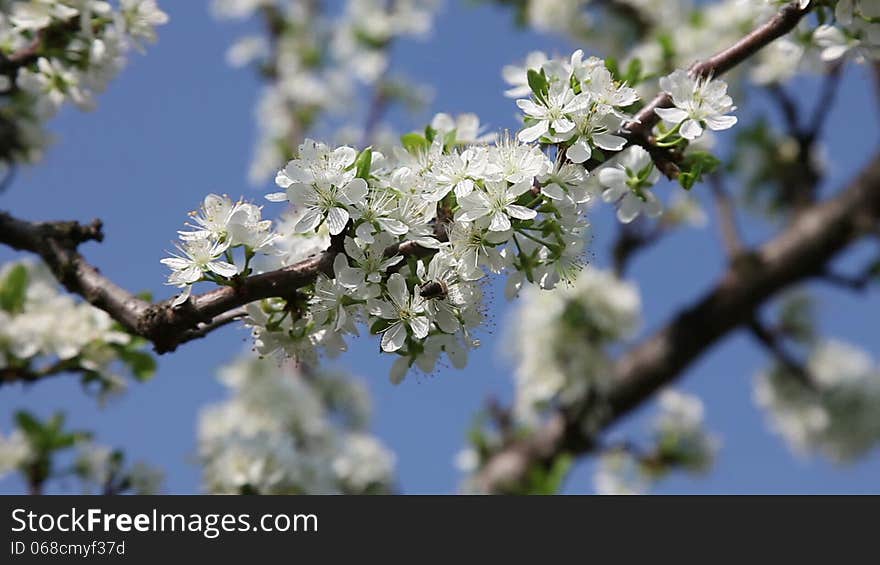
x=497, y=202
x=627, y=180
x=405, y=311
x=699, y=103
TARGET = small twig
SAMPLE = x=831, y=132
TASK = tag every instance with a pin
x=773, y=343
x=218, y=322
x=826, y=100
x=9, y=375
x=377, y=108
x=502, y=417
x=631, y=239
x=858, y=282
x=9, y=177
x=788, y=108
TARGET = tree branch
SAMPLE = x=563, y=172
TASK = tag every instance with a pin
x=798, y=253
x=10, y=375
x=780, y=24
x=164, y=325
x=788, y=108
x=631, y=239
x=57, y=243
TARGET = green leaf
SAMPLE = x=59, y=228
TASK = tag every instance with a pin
x=430, y=133
x=145, y=295
x=613, y=67
x=549, y=480
x=29, y=424
x=633, y=72
x=379, y=326
x=538, y=83
x=363, y=163
x=13, y=289
x=141, y=363
x=414, y=143
x=667, y=47
x=694, y=166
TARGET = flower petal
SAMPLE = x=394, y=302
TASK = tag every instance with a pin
x=420, y=326
x=310, y=220
x=394, y=337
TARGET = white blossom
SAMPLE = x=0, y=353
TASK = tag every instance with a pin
x=699, y=103
x=559, y=337
x=554, y=115
x=283, y=431
x=837, y=415
x=627, y=180
x=404, y=310
x=15, y=451
x=321, y=182
x=498, y=203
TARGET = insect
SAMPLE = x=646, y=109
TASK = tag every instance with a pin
x=433, y=289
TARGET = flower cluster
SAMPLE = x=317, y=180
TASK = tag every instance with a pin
x=205, y=252
x=473, y=208
x=835, y=414
x=15, y=452
x=315, y=61
x=561, y=339
x=579, y=107
x=286, y=430
x=856, y=31
x=416, y=228
x=578, y=104
x=44, y=331
x=63, y=51
x=679, y=442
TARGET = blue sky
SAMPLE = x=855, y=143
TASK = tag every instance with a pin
x=178, y=123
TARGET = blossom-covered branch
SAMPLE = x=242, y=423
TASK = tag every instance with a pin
x=167, y=327
x=170, y=323
x=58, y=52
x=780, y=24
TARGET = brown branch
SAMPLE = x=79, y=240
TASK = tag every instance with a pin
x=10, y=375
x=164, y=325
x=876, y=73
x=23, y=57
x=203, y=329
x=780, y=24
x=795, y=255
x=56, y=243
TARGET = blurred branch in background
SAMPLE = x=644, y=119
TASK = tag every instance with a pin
x=796, y=255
